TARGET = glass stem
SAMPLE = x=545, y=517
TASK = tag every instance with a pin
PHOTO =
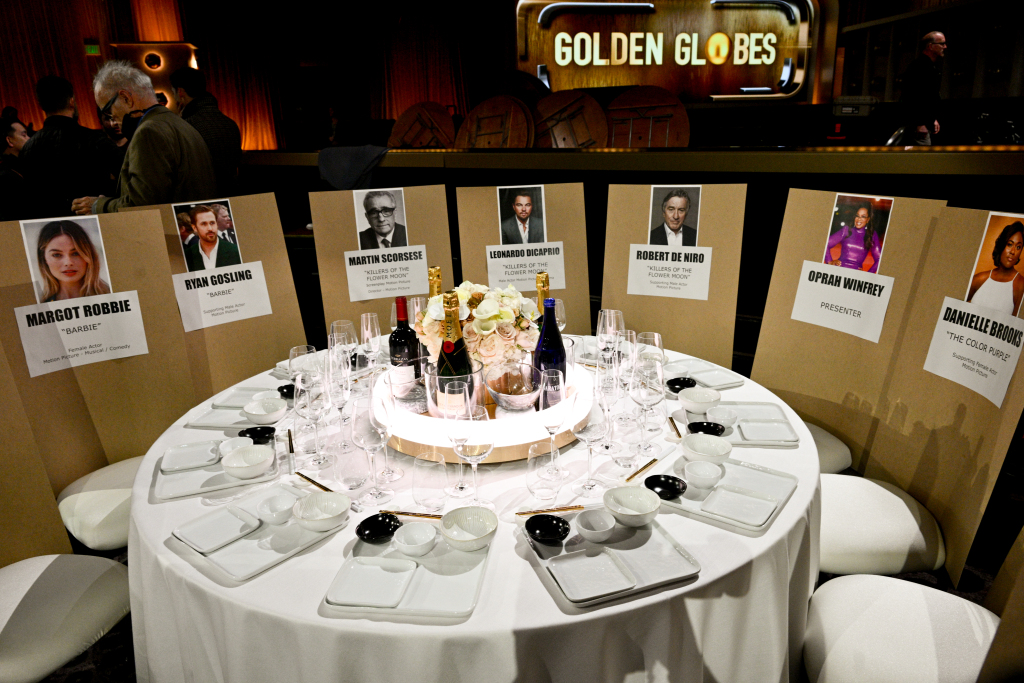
x=590, y=464
x=554, y=452
x=643, y=432
x=316, y=443
x=476, y=489
x=373, y=472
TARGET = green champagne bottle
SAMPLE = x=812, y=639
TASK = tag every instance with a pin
x=453, y=359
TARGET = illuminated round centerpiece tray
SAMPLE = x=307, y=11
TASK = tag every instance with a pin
x=414, y=433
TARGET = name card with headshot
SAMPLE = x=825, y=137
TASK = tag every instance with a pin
x=524, y=249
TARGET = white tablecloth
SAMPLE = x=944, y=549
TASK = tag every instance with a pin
x=741, y=620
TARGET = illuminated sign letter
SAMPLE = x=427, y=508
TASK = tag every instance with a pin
x=755, y=58
x=717, y=48
x=618, y=49
x=635, y=48
x=655, y=49
x=581, y=49
x=597, y=51
x=769, y=40
x=741, y=48
x=563, y=49
x=695, y=60
x=683, y=52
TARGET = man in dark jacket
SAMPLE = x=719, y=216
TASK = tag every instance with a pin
x=12, y=180
x=221, y=134
x=920, y=93
x=167, y=160
x=61, y=162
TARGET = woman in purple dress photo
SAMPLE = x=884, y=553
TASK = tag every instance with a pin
x=857, y=241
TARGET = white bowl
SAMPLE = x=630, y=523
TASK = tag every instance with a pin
x=703, y=475
x=632, y=505
x=415, y=539
x=229, y=445
x=248, y=461
x=595, y=525
x=321, y=511
x=469, y=528
x=721, y=415
x=698, y=399
x=276, y=509
x=698, y=446
x=272, y=393
x=265, y=411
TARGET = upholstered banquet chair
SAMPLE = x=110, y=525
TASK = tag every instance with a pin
x=95, y=508
x=833, y=455
x=53, y=608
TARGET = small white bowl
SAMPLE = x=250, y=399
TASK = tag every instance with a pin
x=272, y=393
x=595, y=525
x=321, y=511
x=276, y=509
x=698, y=446
x=632, y=505
x=265, y=411
x=469, y=528
x=248, y=462
x=721, y=415
x=703, y=475
x=235, y=443
x=698, y=399
x=415, y=539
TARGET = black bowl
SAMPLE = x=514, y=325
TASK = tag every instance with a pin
x=378, y=528
x=677, y=384
x=259, y=435
x=287, y=391
x=666, y=486
x=547, y=529
x=712, y=428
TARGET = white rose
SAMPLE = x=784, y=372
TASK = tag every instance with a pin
x=470, y=334
x=506, y=331
x=490, y=349
x=488, y=308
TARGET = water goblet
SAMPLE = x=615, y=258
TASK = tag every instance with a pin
x=456, y=402
x=312, y=402
x=553, y=407
x=370, y=433
x=595, y=429
x=475, y=448
x=542, y=487
x=647, y=389
x=429, y=481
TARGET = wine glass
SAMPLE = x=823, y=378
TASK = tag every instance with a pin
x=370, y=336
x=343, y=333
x=339, y=384
x=416, y=305
x=477, y=445
x=595, y=429
x=609, y=323
x=394, y=316
x=456, y=402
x=392, y=389
x=297, y=362
x=350, y=468
x=371, y=434
x=553, y=406
x=312, y=401
x=627, y=348
x=560, y=314
x=429, y=481
x=612, y=392
x=649, y=345
x=543, y=487
x=647, y=389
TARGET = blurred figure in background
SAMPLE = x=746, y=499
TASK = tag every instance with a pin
x=12, y=180
x=115, y=152
x=167, y=160
x=221, y=134
x=920, y=94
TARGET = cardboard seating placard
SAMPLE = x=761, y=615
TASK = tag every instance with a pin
x=351, y=260
x=498, y=251
x=680, y=280
x=85, y=417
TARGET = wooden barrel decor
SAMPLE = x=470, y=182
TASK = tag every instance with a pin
x=501, y=122
x=423, y=125
x=648, y=116
x=570, y=119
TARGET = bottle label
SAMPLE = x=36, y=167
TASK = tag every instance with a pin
x=403, y=379
x=449, y=404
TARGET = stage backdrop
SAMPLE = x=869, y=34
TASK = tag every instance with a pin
x=564, y=221
x=89, y=416
x=701, y=328
x=336, y=231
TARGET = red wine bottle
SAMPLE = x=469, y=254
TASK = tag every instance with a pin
x=403, y=344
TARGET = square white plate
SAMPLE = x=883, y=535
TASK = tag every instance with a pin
x=216, y=529
x=587, y=575
x=237, y=397
x=190, y=456
x=717, y=378
x=768, y=430
x=371, y=582
x=742, y=505
x=678, y=368
x=204, y=480
x=226, y=419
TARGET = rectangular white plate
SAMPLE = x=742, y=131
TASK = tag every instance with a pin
x=216, y=529
x=446, y=584
x=237, y=397
x=688, y=366
x=588, y=575
x=650, y=554
x=717, y=378
x=222, y=419
x=190, y=456
x=203, y=480
x=371, y=582
x=767, y=430
x=758, y=480
x=739, y=504
x=756, y=411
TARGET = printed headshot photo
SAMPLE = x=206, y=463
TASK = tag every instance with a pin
x=380, y=218
x=521, y=214
x=857, y=232
x=207, y=232
x=997, y=281
x=675, y=214
x=66, y=258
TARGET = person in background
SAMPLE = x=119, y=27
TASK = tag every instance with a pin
x=115, y=152
x=221, y=134
x=920, y=94
x=12, y=180
x=167, y=160
x=225, y=226
x=60, y=161
x=185, y=229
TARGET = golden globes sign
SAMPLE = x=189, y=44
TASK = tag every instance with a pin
x=699, y=49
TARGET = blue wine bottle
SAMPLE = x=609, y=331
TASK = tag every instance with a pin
x=550, y=352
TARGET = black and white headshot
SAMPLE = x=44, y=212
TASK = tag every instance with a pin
x=380, y=218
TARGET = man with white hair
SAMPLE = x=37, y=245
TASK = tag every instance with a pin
x=167, y=160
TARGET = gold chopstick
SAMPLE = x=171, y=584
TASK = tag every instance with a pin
x=567, y=508
x=314, y=483
x=642, y=469
x=675, y=429
x=291, y=447
x=410, y=514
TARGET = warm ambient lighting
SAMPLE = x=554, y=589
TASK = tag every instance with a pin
x=153, y=61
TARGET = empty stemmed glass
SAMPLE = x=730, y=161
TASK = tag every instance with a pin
x=344, y=338
x=560, y=314
x=647, y=389
x=554, y=405
x=476, y=446
x=611, y=391
x=312, y=402
x=299, y=359
x=429, y=481
x=339, y=383
x=609, y=324
x=388, y=397
x=627, y=351
x=649, y=346
x=595, y=429
x=456, y=402
x=370, y=336
x=370, y=432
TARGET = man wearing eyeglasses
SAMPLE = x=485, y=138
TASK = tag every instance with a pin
x=384, y=232
x=920, y=94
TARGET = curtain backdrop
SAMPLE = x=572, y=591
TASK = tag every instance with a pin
x=157, y=21
x=421, y=63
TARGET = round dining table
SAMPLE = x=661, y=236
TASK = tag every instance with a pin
x=741, y=619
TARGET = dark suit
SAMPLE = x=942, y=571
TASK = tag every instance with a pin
x=658, y=236
x=227, y=255
x=368, y=238
x=511, y=234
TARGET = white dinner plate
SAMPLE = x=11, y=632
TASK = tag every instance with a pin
x=739, y=504
x=371, y=582
x=238, y=397
x=768, y=430
x=190, y=456
x=588, y=575
x=216, y=529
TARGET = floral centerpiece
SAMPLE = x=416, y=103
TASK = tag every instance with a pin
x=497, y=324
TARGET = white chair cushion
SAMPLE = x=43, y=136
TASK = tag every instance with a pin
x=53, y=608
x=871, y=527
x=880, y=629
x=833, y=455
x=96, y=507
